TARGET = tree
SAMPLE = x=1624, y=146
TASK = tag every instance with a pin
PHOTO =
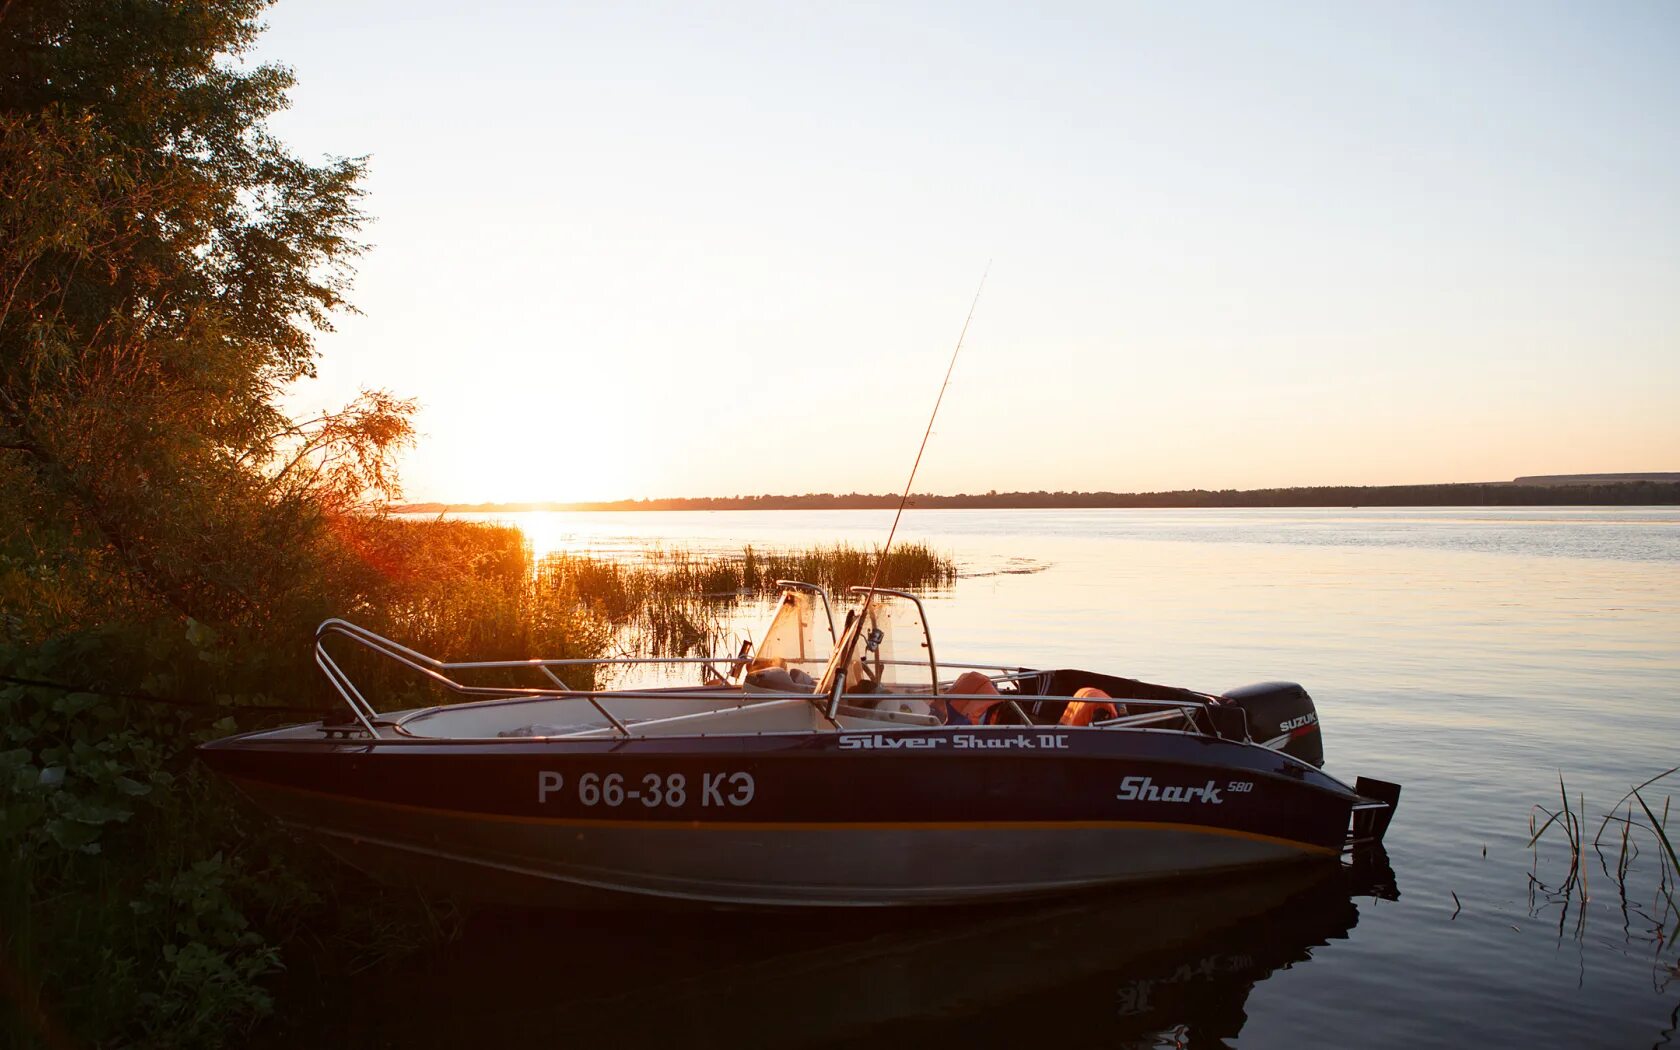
x=165, y=265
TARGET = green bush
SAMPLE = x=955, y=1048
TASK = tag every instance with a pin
x=144, y=902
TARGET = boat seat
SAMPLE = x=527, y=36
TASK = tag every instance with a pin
x=1068, y=681
x=781, y=680
x=919, y=716
x=547, y=730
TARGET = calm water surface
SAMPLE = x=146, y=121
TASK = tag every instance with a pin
x=1471, y=655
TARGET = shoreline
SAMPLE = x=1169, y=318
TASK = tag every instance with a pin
x=1493, y=494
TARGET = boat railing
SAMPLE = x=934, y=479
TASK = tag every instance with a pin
x=437, y=671
x=1163, y=713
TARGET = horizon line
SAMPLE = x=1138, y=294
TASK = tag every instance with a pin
x=1039, y=497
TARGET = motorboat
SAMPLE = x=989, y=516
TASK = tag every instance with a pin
x=821, y=767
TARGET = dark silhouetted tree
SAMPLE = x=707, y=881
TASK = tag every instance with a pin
x=165, y=265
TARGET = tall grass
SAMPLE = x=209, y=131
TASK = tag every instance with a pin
x=676, y=602
x=1567, y=821
x=661, y=572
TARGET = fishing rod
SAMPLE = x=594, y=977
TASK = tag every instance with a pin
x=850, y=640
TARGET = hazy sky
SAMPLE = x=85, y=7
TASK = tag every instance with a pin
x=633, y=250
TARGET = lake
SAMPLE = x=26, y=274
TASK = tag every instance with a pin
x=1472, y=655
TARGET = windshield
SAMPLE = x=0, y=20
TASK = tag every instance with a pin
x=800, y=636
x=892, y=652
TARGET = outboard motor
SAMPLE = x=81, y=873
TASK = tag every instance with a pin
x=1281, y=716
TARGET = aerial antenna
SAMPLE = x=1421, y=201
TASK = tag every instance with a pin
x=886, y=549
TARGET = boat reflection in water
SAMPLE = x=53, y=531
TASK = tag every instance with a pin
x=1170, y=964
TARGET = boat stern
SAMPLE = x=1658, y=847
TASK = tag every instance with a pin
x=1372, y=814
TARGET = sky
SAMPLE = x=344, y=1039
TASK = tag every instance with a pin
x=625, y=250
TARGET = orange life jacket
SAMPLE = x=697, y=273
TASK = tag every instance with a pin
x=1084, y=712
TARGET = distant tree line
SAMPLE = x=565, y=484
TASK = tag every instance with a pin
x=1492, y=494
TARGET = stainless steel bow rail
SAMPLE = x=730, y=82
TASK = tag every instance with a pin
x=436, y=671
x=1179, y=715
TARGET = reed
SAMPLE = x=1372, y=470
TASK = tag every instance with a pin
x=1568, y=825
x=1627, y=854
x=1625, y=798
x=675, y=602
x=1568, y=820
x=835, y=566
x=1660, y=828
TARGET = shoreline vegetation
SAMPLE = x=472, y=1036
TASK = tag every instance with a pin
x=1650, y=909
x=678, y=603
x=144, y=903
x=1600, y=490
x=171, y=536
